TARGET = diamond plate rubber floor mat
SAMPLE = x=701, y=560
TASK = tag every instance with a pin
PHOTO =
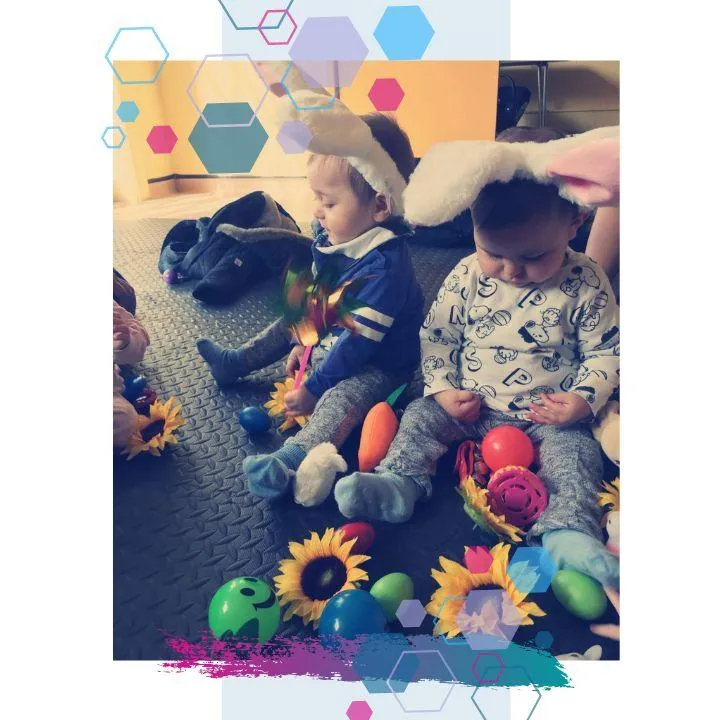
x=185, y=523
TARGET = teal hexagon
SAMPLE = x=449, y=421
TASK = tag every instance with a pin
x=228, y=149
x=404, y=32
x=128, y=111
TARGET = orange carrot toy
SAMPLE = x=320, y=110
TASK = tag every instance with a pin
x=378, y=431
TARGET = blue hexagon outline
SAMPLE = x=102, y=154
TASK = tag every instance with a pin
x=530, y=681
x=137, y=82
x=120, y=130
x=292, y=99
x=255, y=27
x=255, y=110
x=127, y=102
x=450, y=641
x=403, y=8
x=422, y=652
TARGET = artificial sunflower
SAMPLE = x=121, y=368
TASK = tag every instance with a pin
x=276, y=404
x=610, y=499
x=456, y=582
x=157, y=429
x=478, y=508
x=320, y=567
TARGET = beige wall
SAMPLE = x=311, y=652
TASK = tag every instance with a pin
x=580, y=95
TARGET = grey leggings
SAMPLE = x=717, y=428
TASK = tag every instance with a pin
x=342, y=408
x=570, y=460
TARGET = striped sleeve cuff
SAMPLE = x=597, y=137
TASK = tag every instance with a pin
x=371, y=323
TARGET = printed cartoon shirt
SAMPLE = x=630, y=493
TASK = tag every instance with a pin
x=510, y=344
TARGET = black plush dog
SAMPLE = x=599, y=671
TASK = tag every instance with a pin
x=242, y=243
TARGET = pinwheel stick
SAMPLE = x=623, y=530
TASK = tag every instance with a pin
x=303, y=365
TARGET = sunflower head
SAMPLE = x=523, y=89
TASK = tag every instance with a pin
x=157, y=429
x=478, y=509
x=276, y=404
x=456, y=613
x=319, y=568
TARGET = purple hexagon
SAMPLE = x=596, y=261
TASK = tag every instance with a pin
x=294, y=137
x=488, y=619
x=260, y=91
x=359, y=710
x=328, y=51
x=410, y=613
x=416, y=696
x=487, y=667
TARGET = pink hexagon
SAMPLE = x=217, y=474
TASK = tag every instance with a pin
x=359, y=710
x=386, y=94
x=282, y=36
x=478, y=559
x=162, y=139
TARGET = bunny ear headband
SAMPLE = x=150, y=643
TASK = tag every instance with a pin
x=337, y=131
x=451, y=175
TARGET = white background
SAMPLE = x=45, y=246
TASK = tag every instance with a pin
x=57, y=486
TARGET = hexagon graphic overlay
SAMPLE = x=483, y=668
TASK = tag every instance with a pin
x=134, y=47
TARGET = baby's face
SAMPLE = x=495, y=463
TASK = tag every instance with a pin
x=339, y=210
x=527, y=254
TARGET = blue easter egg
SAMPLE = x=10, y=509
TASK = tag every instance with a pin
x=134, y=386
x=254, y=419
x=351, y=613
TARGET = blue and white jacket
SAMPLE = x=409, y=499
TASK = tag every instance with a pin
x=388, y=324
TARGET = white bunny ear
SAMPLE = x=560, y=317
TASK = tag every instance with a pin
x=338, y=131
x=451, y=175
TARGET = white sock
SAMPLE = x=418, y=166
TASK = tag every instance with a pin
x=315, y=477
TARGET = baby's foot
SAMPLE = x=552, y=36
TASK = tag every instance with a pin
x=269, y=476
x=578, y=551
x=226, y=365
x=316, y=474
x=378, y=496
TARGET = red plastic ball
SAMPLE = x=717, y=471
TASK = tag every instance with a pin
x=507, y=445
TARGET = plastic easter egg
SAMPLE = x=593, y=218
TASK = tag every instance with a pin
x=134, y=386
x=351, y=613
x=363, y=532
x=390, y=590
x=245, y=608
x=170, y=276
x=254, y=420
x=507, y=445
x=579, y=594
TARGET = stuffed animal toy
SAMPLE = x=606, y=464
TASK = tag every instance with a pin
x=243, y=242
x=606, y=430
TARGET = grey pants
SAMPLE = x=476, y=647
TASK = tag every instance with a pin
x=342, y=408
x=570, y=460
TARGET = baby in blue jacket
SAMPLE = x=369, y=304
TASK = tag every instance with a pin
x=358, y=170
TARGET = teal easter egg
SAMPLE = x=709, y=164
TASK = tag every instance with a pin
x=390, y=590
x=579, y=594
x=254, y=420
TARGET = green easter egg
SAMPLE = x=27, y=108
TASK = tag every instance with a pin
x=579, y=594
x=244, y=609
x=390, y=590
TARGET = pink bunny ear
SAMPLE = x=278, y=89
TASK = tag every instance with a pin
x=590, y=173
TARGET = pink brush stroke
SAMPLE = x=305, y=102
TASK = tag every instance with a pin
x=308, y=656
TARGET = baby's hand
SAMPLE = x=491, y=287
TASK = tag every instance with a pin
x=559, y=409
x=462, y=405
x=299, y=402
x=292, y=364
